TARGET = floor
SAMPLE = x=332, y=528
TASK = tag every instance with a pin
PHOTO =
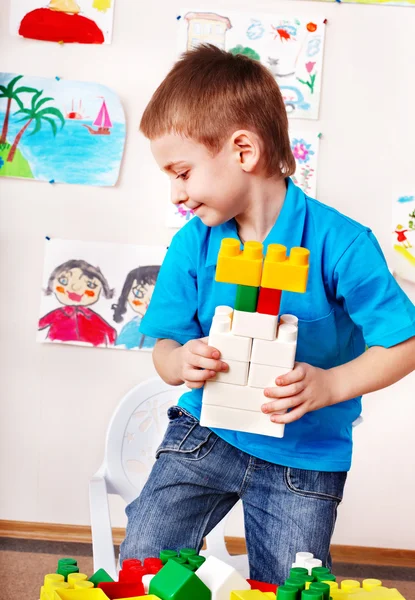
x=23, y=563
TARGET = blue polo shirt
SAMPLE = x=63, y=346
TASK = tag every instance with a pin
x=351, y=300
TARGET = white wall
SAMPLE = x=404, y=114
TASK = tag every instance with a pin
x=56, y=400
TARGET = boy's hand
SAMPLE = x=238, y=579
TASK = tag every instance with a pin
x=199, y=362
x=302, y=390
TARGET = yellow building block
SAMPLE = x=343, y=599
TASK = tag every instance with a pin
x=88, y=594
x=150, y=597
x=251, y=595
x=350, y=585
x=52, y=582
x=74, y=578
x=280, y=272
x=83, y=585
x=369, y=584
x=243, y=267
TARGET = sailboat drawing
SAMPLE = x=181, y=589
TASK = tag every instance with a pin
x=103, y=122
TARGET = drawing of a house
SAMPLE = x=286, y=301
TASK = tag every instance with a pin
x=206, y=28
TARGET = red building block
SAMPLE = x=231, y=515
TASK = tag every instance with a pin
x=132, y=575
x=115, y=589
x=153, y=565
x=263, y=587
x=269, y=301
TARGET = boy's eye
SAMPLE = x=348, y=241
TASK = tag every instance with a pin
x=91, y=285
x=63, y=280
x=183, y=175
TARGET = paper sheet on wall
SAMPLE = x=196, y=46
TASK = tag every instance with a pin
x=63, y=21
x=292, y=48
x=96, y=294
x=60, y=131
x=385, y=2
x=403, y=236
x=304, y=145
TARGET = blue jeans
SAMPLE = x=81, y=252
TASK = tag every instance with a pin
x=198, y=478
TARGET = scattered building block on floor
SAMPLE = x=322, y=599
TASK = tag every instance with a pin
x=278, y=353
x=255, y=325
x=237, y=373
x=222, y=417
x=99, y=576
x=242, y=267
x=269, y=301
x=285, y=273
x=262, y=586
x=230, y=346
x=221, y=578
x=91, y=594
x=246, y=298
x=116, y=589
x=262, y=376
x=251, y=595
x=176, y=582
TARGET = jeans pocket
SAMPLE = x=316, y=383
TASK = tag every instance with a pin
x=323, y=485
x=185, y=436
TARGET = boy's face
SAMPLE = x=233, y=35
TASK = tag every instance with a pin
x=214, y=187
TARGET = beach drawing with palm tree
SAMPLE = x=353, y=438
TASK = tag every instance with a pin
x=41, y=140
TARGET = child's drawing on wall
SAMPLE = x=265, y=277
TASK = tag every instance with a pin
x=135, y=295
x=77, y=286
x=403, y=235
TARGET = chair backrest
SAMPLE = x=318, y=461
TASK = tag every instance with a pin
x=133, y=435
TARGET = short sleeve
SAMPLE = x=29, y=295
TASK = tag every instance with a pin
x=371, y=295
x=172, y=312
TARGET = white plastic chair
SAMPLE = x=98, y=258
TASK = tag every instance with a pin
x=135, y=431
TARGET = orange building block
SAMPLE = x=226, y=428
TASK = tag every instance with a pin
x=242, y=267
x=280, y=272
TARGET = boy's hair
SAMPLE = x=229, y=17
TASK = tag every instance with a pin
x=210, y=93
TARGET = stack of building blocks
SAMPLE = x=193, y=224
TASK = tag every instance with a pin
x=188, y=576
x=253, y=340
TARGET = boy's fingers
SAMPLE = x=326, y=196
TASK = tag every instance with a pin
x=297, y=374
x=207, y=363
x=202, y=349
x=285, y=391
x=198, y=374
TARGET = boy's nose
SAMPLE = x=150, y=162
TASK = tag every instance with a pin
x=178, y=193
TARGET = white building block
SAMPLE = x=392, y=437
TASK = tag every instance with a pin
x=231, y=347
x=311, y=563
x=237, y=373
x=262, y=376
x=277, y=353
x=224, y=311
x=146, y=582
x=301, y=558
x=233, y=396
x=254, y=325
x=289, y=320
x=250, y=421
x=220, y=578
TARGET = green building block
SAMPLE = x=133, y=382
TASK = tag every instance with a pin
x=196, y=561
x=100, y=576
x=186, y=552
x=323, y=588
x=246, y=298
x=166, y=554
x=66, y=570
x=175, y=582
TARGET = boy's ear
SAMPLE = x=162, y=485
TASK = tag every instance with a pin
x=247, y=148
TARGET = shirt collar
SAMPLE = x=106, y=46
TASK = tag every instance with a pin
x=287, y=230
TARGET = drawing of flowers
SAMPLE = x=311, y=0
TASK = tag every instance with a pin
x=301, y=150
x=310, y=83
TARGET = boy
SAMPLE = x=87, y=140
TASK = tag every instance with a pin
x=218, y=127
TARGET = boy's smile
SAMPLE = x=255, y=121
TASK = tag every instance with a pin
x=213, y=186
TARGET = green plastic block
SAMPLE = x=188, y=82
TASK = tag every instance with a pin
x=166, y=554
x=175, y=582
x=317, y=571
x=196, y=561
x=66, y=570
x=326, y=577
x=67, y=561
x=246, y=298
x=296, y=582
x=324, y=588
x=287, y=592
x=186, y=552
x=100, y=576
x=311, y=595
x=298, y=572
x=179, y=559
